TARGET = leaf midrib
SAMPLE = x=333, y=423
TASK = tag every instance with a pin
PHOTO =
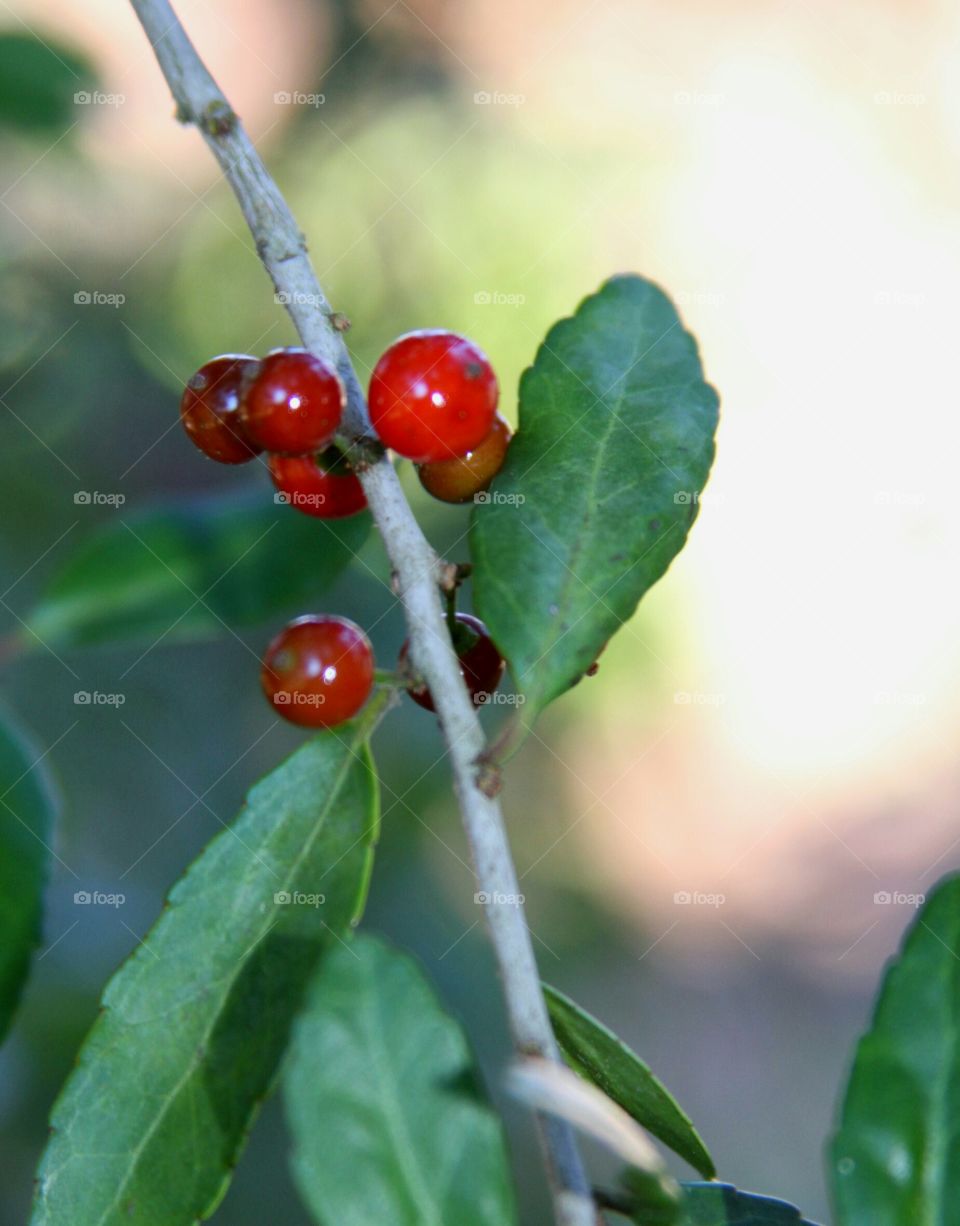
x=405, y=1151
x=580, y=1050
x=935, y=1166
x=589, y=501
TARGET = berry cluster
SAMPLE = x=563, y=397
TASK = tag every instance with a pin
x=290, y=405
x=433, y=400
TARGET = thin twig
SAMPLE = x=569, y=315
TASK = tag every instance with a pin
x=419, y=573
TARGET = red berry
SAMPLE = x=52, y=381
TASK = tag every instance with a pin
x=210, y=408
x=323, y=485
x=481, y=665
x=433, y=396
x=318, y=671
x=295, y=403
x=460, y=479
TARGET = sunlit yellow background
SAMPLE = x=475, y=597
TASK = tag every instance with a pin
x=773, y=737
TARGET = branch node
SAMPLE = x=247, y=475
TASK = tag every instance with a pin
x=449, y=576
x=297, y=253
x=339, y=322
x=218, y=118
x=489, y=779
x=362, y=454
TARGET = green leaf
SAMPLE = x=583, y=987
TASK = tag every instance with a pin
x=598, y=1055
x=27, y=809
x=191, y=571
x=600, y=486
x=896, y=1156
x=378, y=1065
x=43, y=87
x=719, y=1204
x=194, y=1024
x=648, y=1203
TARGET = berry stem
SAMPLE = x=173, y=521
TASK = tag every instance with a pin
x=382, y=699
x=419, y=572
x=451, y=608
x=388, y=677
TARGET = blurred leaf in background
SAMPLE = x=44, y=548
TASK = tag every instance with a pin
x=41, y=83
x=26, y=828
x=190, y=571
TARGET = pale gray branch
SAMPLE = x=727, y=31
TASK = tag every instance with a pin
x=282, y=249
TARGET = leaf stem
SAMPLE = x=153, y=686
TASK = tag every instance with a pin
x=451, y=610
x=382, y=699
x=418, y=570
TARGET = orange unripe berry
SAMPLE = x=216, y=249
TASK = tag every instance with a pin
x=461, y=479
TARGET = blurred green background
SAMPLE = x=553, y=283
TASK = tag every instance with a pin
x=769, y=727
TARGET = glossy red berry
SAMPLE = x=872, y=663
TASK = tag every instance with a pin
x=294, y=404
x=318, y=671
x=460, y=480
x=323, y=485
x=433, y=396
x=210, y=408
x=481, y=665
